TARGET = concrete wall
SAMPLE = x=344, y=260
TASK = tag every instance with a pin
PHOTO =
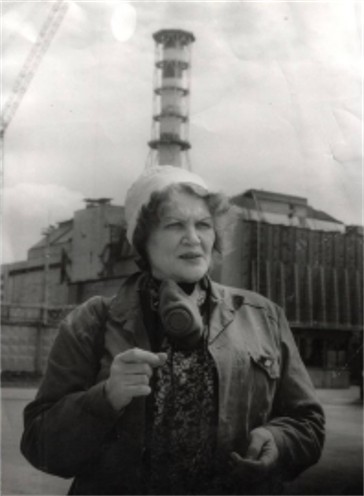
x=329, y=378
x=91, y=233
x=25, y=348
x=28, y=287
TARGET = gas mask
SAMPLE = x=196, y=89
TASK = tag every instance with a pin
x=180, y=314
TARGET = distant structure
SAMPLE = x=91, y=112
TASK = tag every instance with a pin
x=47, y=32
x=303, y=259
x=284, y=209
x=170, y=140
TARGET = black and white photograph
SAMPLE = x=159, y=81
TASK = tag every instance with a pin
x=181, y=247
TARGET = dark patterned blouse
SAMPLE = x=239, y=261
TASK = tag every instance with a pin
x=182, y=420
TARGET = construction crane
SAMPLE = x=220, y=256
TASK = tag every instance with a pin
x=46, y=34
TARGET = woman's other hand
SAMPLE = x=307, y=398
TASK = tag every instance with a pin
x=130, y=373
x=261, y=456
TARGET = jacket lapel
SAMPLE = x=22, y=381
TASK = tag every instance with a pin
x=125, y=312
x=222, y=311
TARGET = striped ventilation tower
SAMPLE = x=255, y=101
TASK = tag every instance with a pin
x=169, y=143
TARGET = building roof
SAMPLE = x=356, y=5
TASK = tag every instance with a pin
x=251, y=199
x=56, y=235
x=320, y=215
x=259, y=194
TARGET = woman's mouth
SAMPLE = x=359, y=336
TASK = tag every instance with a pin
x=190, y=256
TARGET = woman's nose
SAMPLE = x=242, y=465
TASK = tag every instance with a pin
x=191, y=236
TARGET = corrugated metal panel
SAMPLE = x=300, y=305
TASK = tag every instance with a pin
x=316, y=276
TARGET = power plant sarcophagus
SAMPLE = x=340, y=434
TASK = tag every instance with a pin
x=301, y=258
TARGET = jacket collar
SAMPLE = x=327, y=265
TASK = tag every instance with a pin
x=125, y=308
x=223, y=307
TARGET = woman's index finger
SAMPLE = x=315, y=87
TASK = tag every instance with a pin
x=137, y=355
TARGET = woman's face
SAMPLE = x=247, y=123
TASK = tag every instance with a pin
x=180, y=247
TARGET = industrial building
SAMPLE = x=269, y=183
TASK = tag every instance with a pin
x=314, y=274
x=308, y=262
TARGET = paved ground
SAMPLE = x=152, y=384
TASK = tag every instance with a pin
x=339, y=472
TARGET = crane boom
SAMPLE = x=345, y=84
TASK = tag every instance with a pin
x=46, y=34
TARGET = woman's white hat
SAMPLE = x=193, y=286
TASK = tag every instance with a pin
x=154, y=179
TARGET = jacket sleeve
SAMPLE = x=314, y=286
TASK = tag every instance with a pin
x=64, y=427
x=297, y=422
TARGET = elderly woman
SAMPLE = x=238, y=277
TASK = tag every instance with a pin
x=177, y=385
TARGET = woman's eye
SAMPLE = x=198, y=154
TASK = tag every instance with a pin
x=173, y=225
x=204, y=225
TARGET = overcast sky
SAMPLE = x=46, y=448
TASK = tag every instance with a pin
x=276, y=104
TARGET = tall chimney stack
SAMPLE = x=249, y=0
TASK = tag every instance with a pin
x=170, y=140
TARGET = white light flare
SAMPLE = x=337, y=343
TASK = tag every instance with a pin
x=123, y=22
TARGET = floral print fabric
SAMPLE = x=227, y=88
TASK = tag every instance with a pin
x=183, y=430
